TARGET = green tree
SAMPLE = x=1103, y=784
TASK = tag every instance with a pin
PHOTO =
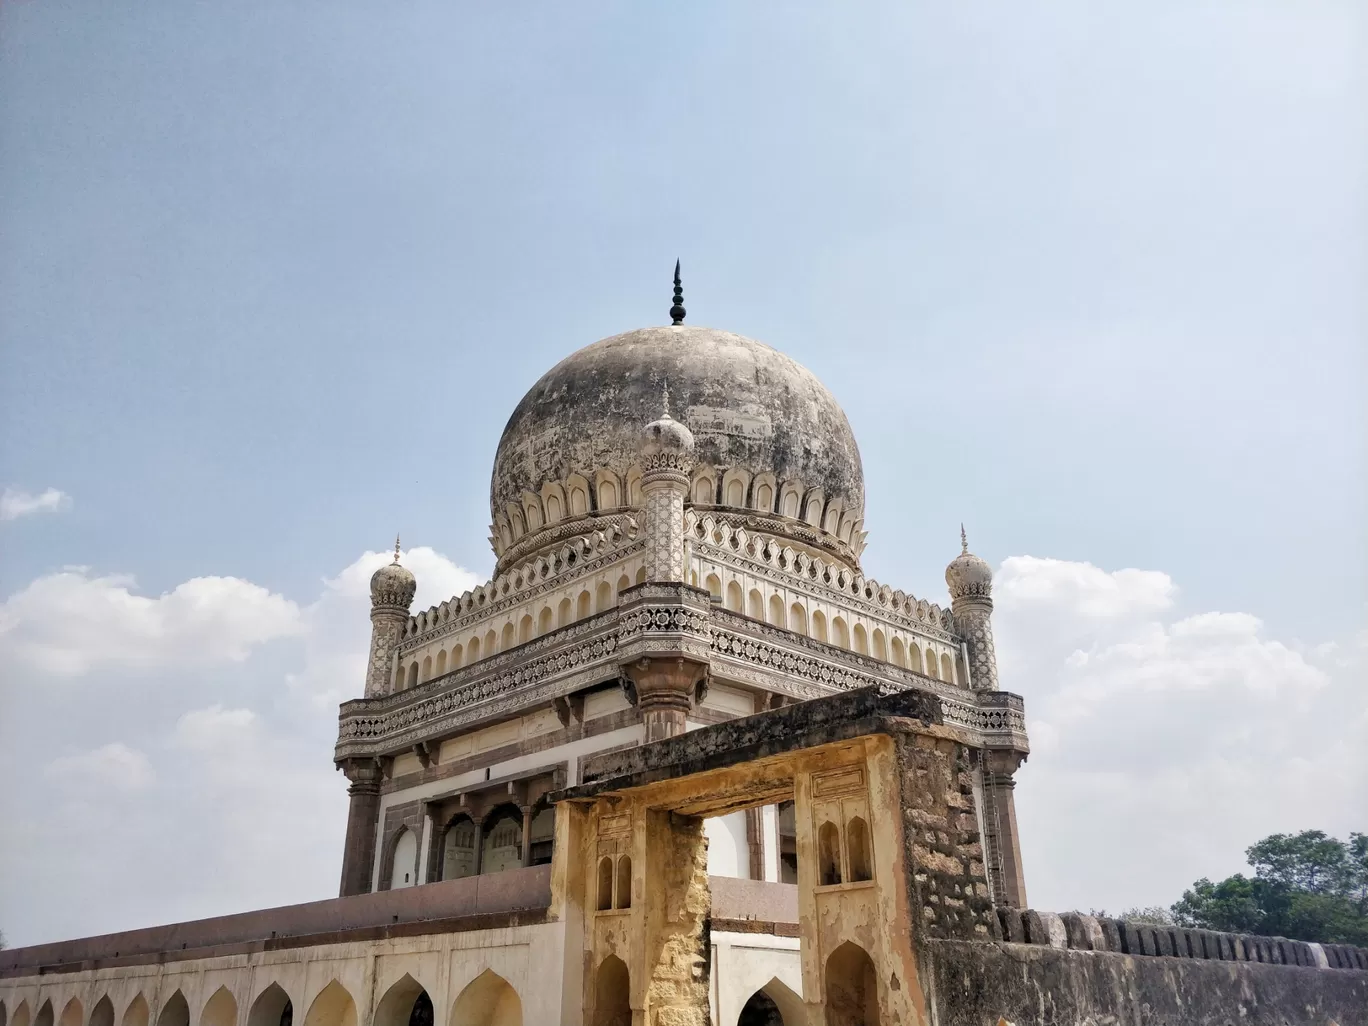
x=1306, y=886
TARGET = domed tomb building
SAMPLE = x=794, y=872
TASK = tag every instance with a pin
x=677, y=514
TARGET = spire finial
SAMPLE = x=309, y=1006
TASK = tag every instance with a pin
x=396, y=550
x=677, y=311
x=964, y=541
x=665, y=398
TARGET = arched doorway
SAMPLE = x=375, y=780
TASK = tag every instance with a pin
x=72, y=1014
x=271, y=1008
x=852, y=988
x=458, y=849
x=21, y=1015
x=612, y=994
x=487, y=1000
x=103, y=1012
x=502, y=846
x=404, y=862
x=333, y=1007
x=220, y=1009
x=774, y=1004
x=137, y=1012
x=174, y=1012
x=404, y=1004
x=44, y=1016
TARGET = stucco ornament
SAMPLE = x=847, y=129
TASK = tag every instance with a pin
x=393, y=585
x=968, y=576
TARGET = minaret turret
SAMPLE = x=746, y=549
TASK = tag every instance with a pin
x=971, y=599
x=667, y=454
x=392, y=589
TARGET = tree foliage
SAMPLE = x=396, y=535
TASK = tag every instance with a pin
x=1306, y=886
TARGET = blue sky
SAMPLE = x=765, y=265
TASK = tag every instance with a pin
x=1086, y=276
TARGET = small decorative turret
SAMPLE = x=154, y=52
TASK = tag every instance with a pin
x=971, y=598
x=667, y=454
x=392, y=588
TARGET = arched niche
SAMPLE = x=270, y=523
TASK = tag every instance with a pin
x=851, y=986
x=220, y=1009
x=403, y=861
x=136, y=1014
x=272, y=1007
x=174, y=1011
x=406, y=1003
x=103, y=1012
x=487, y=1000
x=828, y=854
x=72, y=1014
x=735, y=600
x=333, y=1007
x=21, y=1016
x=612, y=994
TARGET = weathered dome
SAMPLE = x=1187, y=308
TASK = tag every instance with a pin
x=770, y=442
x=968, y=576
x=393, y=585
x=666, y=435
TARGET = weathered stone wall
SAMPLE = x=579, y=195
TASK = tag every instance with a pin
x=971, y=984
x=677, y=953
x=943, y=849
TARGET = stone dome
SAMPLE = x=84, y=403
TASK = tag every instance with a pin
x=968, y=576
x=393, y=585
x=666, y=435
x=772, y=447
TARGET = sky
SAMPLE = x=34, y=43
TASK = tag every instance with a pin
x=1087, y=277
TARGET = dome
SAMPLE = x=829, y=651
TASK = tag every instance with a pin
x=773, y=450
x=393, y=585
x=967, y=575
x=666, y=436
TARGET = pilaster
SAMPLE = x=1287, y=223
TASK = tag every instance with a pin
x=999, y=767
x=358, y=854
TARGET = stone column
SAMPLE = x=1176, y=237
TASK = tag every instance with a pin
x=527, y=836
x=358, y=855
x=999, y=817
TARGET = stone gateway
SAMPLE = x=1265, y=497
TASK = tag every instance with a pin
x=680, y=762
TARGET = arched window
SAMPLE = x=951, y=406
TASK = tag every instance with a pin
x=861, y=640
x=612, y=994
x=604, y=598
x=857, y=850
x=584, y=606
x=819, y=626
x=828, y=854
x=776, y=611
x=757, y=605
x=714, y=586
x=840, y=633
x=622, y=897
x=798, y=618
x=458, y=849
x=565, y=613
x=404, y=861
x=735, y=602
x=542, y=844
x=502, y=847
x=947, y=669
x=605, y=883
x=545, y=621
x=880, y=646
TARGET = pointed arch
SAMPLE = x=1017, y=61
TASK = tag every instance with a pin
x=220, y=1009
x=641, y=575
x=714, y=585
x=474, y=649
x=508, y=637
x=852, y=987
x=270, y=1007
x=174, y=1011
x=491, y=643
x=404, y=997
x=897, y=653
x=458, y=849
x=45, y=1016
x=403, y=862
x=947, y=669
x=840, y=633
x=798, y=618
x=73, y=1014
x=914, y=659
x=565, y=612
x=525, y=629
x=546, y=621
x=624, y=582
x=487, y=1000
x=501, y=845
x=20, y=1016
x=756, y=611
x=333, y=1007
x=828, y=854
x=861, y=639
x=603, y=597
x=426, y=674
x=584, y=605
x=735, y=601
x=858, y=851
x=774, y=1004
x=819, y=625
x=880, y=649
x=441, y=666
x=776, y=612
x=612, y=994
x=136, y=1014
x=103, y=1012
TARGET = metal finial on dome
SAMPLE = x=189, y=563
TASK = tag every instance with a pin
x=677, y=311
x=964, y=540
x=396, y=550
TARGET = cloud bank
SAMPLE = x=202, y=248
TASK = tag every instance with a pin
x=16, y=503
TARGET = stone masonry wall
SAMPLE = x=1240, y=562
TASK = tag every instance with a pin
x=943, y=849
x=677, y=935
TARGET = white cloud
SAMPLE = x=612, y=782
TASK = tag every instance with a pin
x=214, y=728
x=112, y=767
x=69, y=623
x=16, y=503
x=1164, y=744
